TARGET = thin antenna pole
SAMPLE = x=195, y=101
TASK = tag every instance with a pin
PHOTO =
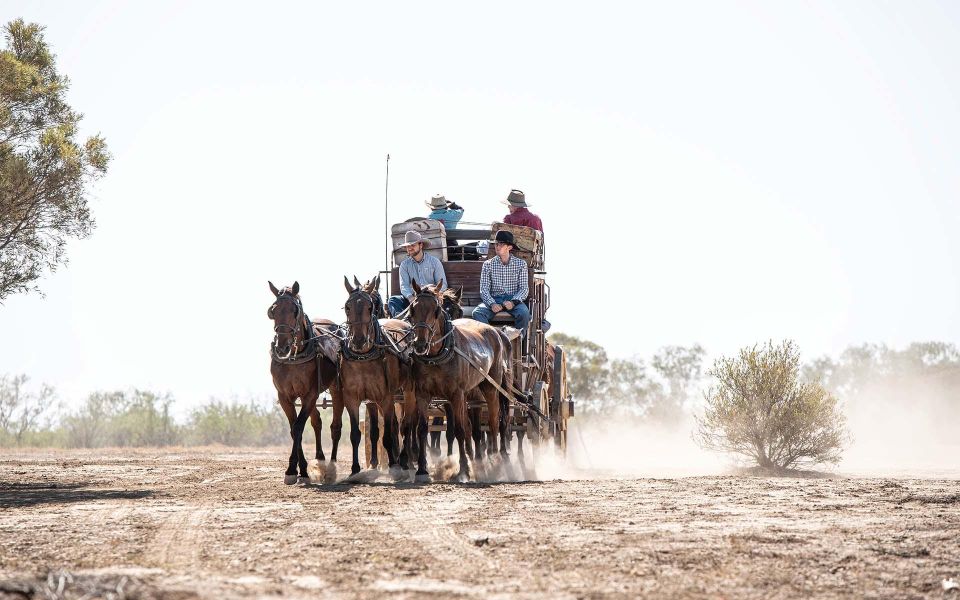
x=386, y=228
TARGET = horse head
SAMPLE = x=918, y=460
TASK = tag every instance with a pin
x=451, y=302
x=287, y=315
x=361, y=311
x=427, y=316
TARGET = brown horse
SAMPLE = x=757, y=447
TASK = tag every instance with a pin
x=440, y=370
x=303, y=365
x=371, y=368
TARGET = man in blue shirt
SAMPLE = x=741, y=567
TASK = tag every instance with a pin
x=504, y=284
x=418, y=266
x=445, y=211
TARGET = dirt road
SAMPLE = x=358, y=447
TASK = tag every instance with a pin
x=219, y=523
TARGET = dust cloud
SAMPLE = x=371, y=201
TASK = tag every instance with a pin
x=909, y=428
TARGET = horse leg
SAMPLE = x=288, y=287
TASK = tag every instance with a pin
x=493, y=419
x=286, y=404
x=374, y=419
x=520, y=435
x=336, y=423
x=422, y=475
x=354, y=411
x=317, y=423
x=307, y=409
x=461, y=423
x=410, y=412
x=477, y=433
x=435, y=436
x=389, y=430
x=451, y=434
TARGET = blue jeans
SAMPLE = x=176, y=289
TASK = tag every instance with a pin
x=520, y=312
x=396, y=305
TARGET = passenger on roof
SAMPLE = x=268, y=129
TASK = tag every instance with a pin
x=519, y=215
x=418, y=266
x=504, y=284
x=445, y=211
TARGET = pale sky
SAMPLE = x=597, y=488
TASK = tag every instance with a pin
x=713, y=173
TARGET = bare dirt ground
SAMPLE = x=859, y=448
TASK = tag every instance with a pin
x=215, y=523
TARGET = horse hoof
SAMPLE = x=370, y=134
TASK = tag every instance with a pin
x=460, y=477
x=397, y=473
x=303, y=480
x=422, y=478
x=289, y=479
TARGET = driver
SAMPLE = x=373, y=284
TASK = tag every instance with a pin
x=418, y=266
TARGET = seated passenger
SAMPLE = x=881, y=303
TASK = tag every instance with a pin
x=519, y=215
x=445, y=211
x=418, y=266
x=504, y=284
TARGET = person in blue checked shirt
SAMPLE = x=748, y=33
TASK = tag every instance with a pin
x=504, y=284
x=418, y=266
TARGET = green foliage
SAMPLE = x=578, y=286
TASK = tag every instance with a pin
x=45, y=171
x=604, y=386
x=22, y=411
x=136, y=418
x=587, y=373
x=236, y=424
x=860, y=367
x=760, y=409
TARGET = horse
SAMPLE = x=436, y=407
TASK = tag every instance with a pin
x=451, y=304
x=439, y=369
x=371, y=368
x=303, y=365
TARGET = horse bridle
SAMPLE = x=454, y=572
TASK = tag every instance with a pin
x=373, y=325
x=431, y=330
x=282, y=328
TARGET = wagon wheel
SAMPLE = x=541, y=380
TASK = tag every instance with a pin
x=558, y=389
x=538, y=428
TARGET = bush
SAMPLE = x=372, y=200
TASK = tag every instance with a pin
x=135, y=418
x=235, y=424
x=761, y=410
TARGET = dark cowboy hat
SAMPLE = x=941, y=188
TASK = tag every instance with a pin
x=516, y=198
x=506, y=237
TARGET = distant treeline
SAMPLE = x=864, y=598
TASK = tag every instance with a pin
x=131, y=418
x=672, y=383
x=664, y=389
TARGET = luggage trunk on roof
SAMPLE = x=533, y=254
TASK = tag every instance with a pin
x=430, y=229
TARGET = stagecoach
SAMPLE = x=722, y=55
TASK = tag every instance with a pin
x=542, y=403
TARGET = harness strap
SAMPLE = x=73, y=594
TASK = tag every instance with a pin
x=486, y=375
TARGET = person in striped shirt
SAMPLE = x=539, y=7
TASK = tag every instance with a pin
x=504, y=284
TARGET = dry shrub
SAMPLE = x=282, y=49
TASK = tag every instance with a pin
x=761, y=410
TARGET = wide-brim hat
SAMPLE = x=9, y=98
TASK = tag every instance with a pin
x=437, y=201
x=506, y=237
x=413, y=237
x=516, y=198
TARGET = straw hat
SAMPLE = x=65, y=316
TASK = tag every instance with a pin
x=436, y=202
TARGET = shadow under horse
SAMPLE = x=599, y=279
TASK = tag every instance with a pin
x=303, y=365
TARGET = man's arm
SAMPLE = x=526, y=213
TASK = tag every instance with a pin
x=523, y=286
x=405, y=288
x=485, y=285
